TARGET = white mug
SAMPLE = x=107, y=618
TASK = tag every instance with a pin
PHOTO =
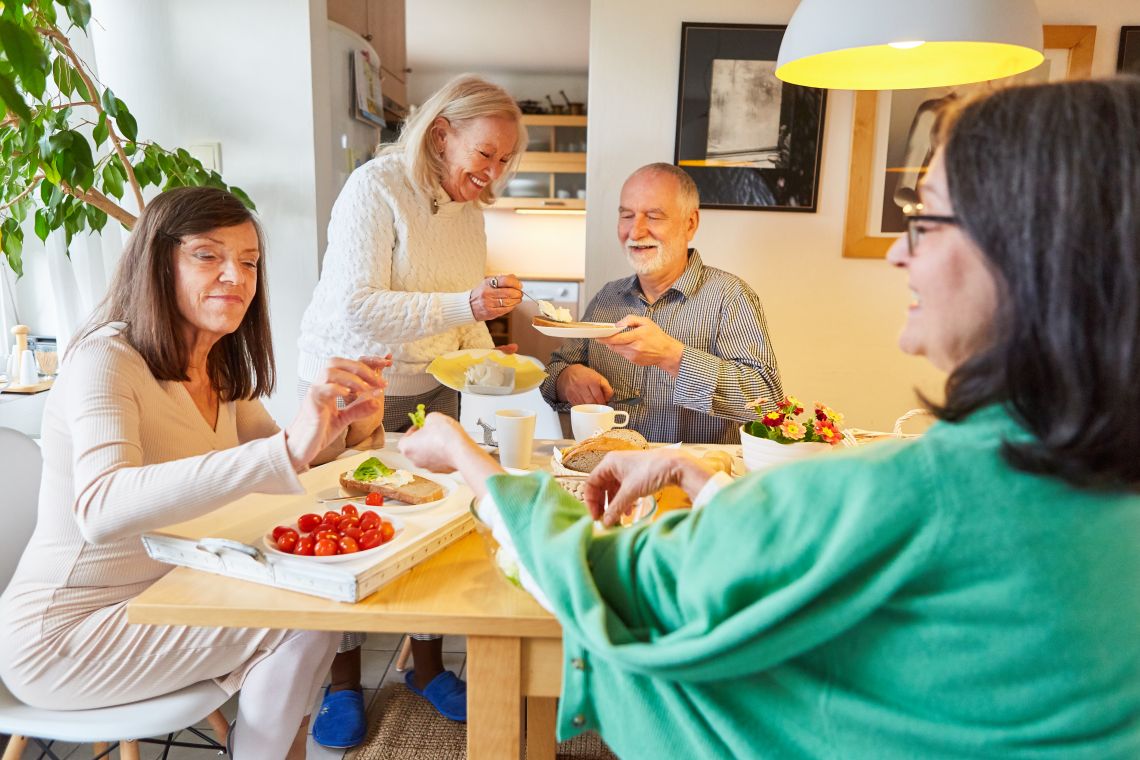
x=515, y=430
x=590, y=419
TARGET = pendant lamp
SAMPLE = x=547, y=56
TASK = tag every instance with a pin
x=904, y=44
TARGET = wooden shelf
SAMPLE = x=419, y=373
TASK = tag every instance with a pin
x=562, y=204
x=551, y=120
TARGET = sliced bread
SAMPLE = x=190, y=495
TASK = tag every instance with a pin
x=586, y=455
x=419, y=491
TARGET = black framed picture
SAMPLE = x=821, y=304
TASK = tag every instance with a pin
x=747, y=139
x=1129, y=56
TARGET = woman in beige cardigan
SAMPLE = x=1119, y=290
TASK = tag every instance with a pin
x=155, y=419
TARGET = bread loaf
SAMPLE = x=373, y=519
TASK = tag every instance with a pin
x=586, y=455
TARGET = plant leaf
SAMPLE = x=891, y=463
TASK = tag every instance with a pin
x=11, y=99
x=26, y=54
x=110, y=103
x=42, y=228
x=99, y=133
x=113, y=179
x=79, y=11
x=126, y=122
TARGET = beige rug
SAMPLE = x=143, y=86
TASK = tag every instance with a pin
x=403, y=726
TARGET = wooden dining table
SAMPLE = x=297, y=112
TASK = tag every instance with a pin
x=514, y=646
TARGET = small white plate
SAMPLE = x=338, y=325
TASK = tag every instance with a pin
x=581, y=330
x=397, y=523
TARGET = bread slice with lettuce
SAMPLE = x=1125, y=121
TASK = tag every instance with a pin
x=373, y=476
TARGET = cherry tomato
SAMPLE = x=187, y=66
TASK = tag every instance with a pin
x=279, y=530
x=347, y=522
x=387, y=531
x=350, y=510
x=348, y=545
x=326, y=547
x=287, y=541
x=332, y=517
x=369, y=539
x=308, y=523
x=369, y=520
x=305, y=547
x=353, y=532
x=374, y=500
x=326, y=534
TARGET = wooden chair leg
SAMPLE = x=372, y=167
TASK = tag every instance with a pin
x=129, y=750
x=405, y=653
x=98, y=748
x=15, y=748
x=221, y=727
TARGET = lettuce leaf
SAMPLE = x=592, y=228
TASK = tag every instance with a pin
x=417, y=417
x=370, y=469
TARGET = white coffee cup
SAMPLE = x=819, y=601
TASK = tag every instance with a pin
x=514, y=429
x=590, y=419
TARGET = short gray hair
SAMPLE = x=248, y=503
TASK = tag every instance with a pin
x=687, y=191
x=464, y=98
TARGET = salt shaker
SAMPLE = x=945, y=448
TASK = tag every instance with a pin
x=17, y=360
x=28, y=368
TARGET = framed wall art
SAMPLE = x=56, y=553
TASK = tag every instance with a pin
x=747, y=139
x=890, y=142
x=1128, y=59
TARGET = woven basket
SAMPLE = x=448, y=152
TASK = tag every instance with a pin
x=858, y=436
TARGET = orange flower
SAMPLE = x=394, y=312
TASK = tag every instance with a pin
x=792, y=430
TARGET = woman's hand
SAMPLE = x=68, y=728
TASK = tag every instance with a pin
x=320, y=422
x=495, y=296
x=441, y=445
x=368, y=433
x=624, y=476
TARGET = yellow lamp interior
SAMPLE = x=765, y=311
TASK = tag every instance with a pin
x=934, y=64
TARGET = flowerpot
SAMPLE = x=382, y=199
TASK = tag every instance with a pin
x=761, y=453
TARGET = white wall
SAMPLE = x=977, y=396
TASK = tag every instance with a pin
x=240, y=74
x=833, y=321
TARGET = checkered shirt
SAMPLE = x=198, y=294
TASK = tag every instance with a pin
x=727, y=361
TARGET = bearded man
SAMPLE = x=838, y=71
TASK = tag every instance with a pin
x=694, y=349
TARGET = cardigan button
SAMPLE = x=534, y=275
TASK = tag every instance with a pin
x=578, y=663
x=579, y=720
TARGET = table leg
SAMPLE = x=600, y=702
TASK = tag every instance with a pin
x=541, y=714
x=494, y=698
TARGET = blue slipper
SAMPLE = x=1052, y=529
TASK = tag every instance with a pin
x=341, y=722
x=446, y=692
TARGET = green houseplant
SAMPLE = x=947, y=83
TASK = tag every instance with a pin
x=56, y=120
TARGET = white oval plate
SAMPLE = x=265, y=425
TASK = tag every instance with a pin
x=397, y=523
x=580, y=330
x=390, y=505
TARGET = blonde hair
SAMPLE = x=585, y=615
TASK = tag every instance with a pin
x=464, y=98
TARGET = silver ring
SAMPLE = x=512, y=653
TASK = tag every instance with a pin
x=494, y=282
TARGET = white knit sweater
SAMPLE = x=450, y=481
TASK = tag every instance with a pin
x=396, y=278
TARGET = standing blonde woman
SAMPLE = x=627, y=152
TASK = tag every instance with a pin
x=404, y=275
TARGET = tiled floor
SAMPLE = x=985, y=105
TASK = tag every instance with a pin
x=378, y=668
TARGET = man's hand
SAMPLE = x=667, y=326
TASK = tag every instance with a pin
x=578, y=384
x=646, y=344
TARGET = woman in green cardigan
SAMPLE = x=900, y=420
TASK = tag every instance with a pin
x=972, y=593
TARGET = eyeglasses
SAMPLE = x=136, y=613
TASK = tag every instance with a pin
x=914, y=230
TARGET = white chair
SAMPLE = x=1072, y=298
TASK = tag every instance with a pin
x=105, y=728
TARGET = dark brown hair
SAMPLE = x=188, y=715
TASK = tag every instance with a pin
x=1046, y=180
x=240, y=365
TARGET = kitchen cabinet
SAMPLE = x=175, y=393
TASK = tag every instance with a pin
x=552, y=172
x=382, y=23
